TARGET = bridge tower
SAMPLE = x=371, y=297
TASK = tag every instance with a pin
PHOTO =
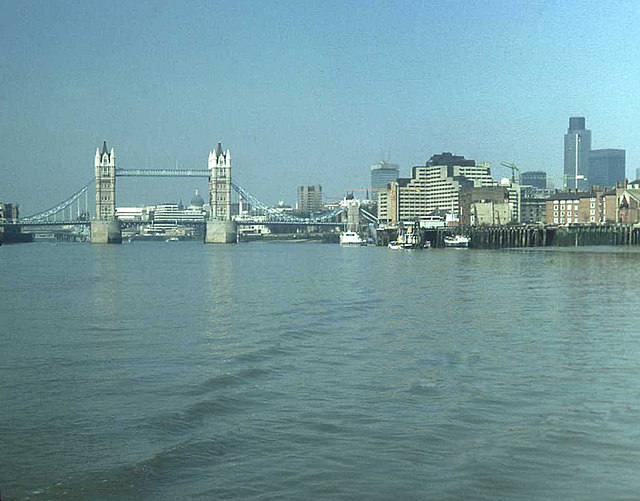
x=220, y=229
x=105, y=171
x=105, y=228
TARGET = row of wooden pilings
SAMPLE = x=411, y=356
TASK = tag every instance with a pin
x=500, y=237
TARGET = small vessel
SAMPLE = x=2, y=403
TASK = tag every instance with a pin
x=172, y=239
x=351, y=238
x=402, y=245
x=408, y=238
x=409, y=241
x=456, y=241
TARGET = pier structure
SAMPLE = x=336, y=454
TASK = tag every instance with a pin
x=518, y=236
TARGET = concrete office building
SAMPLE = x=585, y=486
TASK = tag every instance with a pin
x=432, y=189
x=309, y=199
x=606, y=167
x=577, y=145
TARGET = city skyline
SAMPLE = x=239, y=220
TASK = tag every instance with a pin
x=304, y=95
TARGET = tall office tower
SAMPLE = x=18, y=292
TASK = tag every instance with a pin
x=606, y=167
x=381, y=175
x=310, y=198
x=577, y=145
x=535, y=178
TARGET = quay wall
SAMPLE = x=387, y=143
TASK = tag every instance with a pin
x=502, y=237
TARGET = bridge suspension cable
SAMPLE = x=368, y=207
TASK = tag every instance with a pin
x=46, y=214
x=272, y=213
x=276, y=215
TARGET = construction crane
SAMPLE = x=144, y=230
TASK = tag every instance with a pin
x=514, y=169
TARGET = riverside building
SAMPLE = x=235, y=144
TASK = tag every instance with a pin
x=432, y=189
x=596, y=206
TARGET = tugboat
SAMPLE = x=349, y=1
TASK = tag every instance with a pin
x=408, y=238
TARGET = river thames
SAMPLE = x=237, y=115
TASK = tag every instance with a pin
x=270, y=371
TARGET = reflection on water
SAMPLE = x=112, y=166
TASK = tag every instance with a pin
x=104, y=279
x=219, y=292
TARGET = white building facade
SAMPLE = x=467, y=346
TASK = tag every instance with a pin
x=431, y=189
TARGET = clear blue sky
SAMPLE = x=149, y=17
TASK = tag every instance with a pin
x=305, y=92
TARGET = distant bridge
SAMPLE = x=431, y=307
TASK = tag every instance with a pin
x=60, y=214
x=75, y=210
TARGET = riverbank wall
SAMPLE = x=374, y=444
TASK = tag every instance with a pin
x=502, y=237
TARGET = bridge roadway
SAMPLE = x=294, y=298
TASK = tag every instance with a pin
x=162, y=173
x=128, y=224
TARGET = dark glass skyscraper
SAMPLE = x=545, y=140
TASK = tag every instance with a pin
x=381, y=175
x=535, y=178
x=577, y=145
x=606, y=167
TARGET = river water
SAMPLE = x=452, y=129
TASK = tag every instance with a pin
x=268, y=371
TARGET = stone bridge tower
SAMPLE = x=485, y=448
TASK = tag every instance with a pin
x=105, y=228
x=105, y=171
x=220, y=184
x=220, y=229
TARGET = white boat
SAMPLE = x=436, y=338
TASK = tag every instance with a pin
x=172, y=239
x=456, y=241
x=351, y=238
x=395, y=245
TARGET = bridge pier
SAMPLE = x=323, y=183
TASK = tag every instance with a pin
x=106, y=232
x=221, y=232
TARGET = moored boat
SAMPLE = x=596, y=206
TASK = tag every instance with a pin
x=351, y=238
x=456, y=241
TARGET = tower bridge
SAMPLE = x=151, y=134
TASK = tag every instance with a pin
x=105, y=227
